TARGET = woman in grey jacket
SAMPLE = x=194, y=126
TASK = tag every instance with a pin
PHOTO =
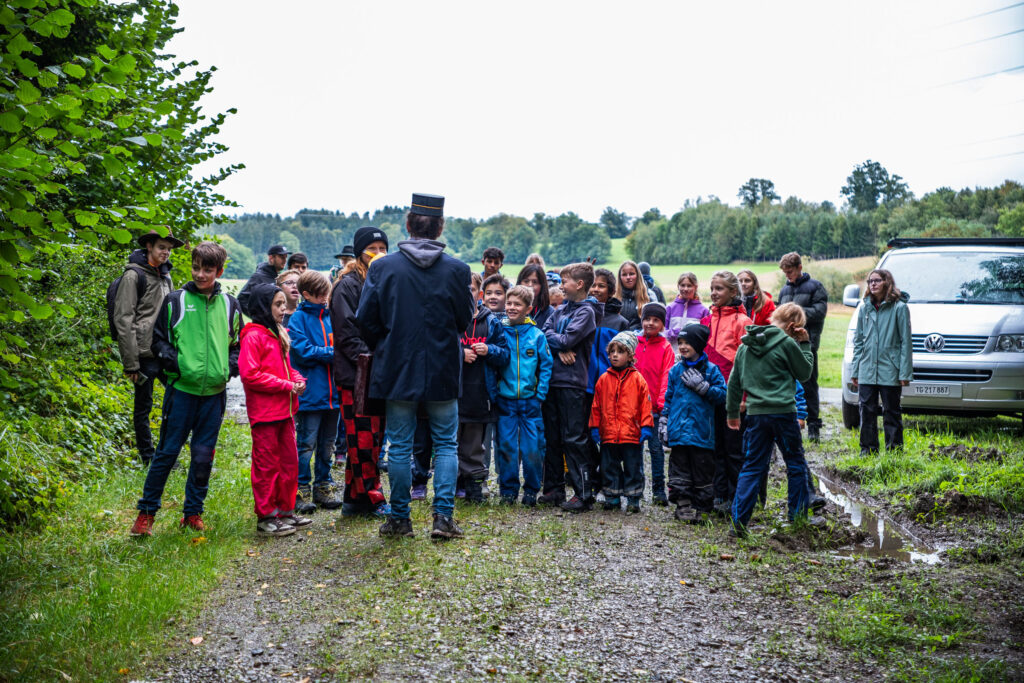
x=883, y=358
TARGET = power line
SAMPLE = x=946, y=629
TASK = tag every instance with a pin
x=976, y=78
x=983, y=14
x=999, y=156
x=983, y=40
x=981, y=142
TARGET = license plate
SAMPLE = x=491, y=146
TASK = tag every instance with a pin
x=946, y=390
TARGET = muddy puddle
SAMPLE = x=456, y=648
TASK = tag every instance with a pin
x=885, y=538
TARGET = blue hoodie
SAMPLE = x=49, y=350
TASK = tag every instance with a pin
x=528, y=372
x=312, y=354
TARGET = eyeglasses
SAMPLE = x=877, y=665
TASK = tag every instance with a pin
x=875, y=281
x=290, y=283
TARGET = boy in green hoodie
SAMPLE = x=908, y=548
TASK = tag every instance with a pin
x=770, y=357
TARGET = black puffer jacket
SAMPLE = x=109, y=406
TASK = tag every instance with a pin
x=347, y=342
x=811, y=296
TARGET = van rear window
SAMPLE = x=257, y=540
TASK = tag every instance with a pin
x=959, y=277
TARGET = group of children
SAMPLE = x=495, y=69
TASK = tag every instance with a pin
x=572, y=400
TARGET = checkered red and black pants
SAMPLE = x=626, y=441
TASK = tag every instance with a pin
x=365, y=437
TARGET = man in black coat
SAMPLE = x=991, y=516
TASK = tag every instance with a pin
x=265, y=274
x=811, y=296
x=414, y=307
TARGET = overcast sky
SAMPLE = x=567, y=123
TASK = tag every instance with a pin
x=573, y=106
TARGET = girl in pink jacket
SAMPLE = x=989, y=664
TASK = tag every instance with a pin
x=272, y=390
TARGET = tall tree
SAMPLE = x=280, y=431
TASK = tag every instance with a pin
x=870, y=183
x=757, y=190
x=616, y=223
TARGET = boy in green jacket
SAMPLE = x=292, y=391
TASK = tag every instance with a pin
x=770, y=357
x=196, y=341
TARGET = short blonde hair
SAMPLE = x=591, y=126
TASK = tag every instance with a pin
x=790, y=314
x=521, y=292
x=314, y=282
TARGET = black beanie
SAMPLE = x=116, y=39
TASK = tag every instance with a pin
x=696, y=335
x=364, y=237
x=654, y=309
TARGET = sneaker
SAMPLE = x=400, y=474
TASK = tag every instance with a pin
x=445, y=527
x=685, y=513
x=326, y=497
x=272, y=526
x=460, y=493
x=659, y=498
x=143, y=525
x=383, y=510
x=419, y=492
x=193, y=522
x=818, y=503
x=396, y=528
x=382, y=465
x=551, y=498
x=304, y=500
x=737, y=530
x=612, y=504
x=529, y=501
x=294, y=520
x=575, y=504
x=633, y=504
x=817, y=521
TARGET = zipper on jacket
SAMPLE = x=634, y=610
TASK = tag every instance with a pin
x=518, y=382
x=330, y=382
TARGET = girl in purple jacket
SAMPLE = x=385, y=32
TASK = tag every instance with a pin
x=686, y=309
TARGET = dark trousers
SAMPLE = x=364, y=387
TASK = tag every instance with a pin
x=143, y=406
x=691, y=471
x=422, y=452
x=811, y=388
x=728, y=456
x=892, y=416
x=183, y=415
x=622, y=466
x=565, y=429
x=471, y=452
x=764, y=431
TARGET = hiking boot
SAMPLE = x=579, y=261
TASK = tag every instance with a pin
x=612, y=504
x=294, y=520
x=304, y=500
x=445, y=527
x=659, y=498
x=272, y=526
x=737, y=530
x=817, y=503
x=474, y=492
x=724, y=508
x=193, y=522
x=394, y=527
x=326, y=497
x=685, y=513
x=143, y=525
x=551, y=498
x=419, y=492
x=633, y=504
x=529, y=501
x=575, y=504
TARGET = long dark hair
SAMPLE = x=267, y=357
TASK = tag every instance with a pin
x=889, y=291
x=542, y=300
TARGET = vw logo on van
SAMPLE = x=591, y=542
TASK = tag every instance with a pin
x=934, y=343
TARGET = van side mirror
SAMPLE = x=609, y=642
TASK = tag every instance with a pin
x=851, y=295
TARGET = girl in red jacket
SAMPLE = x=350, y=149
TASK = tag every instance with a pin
x=728, y=322
x=272, y=390
x=757, y=304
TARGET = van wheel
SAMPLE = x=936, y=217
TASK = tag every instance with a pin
x=851, y=415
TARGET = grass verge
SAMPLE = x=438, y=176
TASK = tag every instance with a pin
x=82, y=600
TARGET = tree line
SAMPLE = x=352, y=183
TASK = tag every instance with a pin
x=879, y=205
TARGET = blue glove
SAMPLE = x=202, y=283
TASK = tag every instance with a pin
x=595, y=434
x=645, y=434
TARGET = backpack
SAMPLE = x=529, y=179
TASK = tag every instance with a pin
x=141, y=284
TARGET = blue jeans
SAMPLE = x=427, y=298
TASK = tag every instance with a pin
x=316, y=430
x=762, y=432
x=657, y=459
x=444, y=428
x=183, y=414
x=520, y=438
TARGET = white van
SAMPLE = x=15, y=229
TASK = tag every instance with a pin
x=967, y=322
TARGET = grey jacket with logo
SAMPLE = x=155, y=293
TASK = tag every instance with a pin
x=134, y=317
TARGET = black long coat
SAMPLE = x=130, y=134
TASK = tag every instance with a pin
x=413, y=308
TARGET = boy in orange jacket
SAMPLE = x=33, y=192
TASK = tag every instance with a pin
x=620, y=420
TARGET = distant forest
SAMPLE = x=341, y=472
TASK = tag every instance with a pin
x=878, y=206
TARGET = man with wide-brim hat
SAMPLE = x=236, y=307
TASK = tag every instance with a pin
x=265, y=273
x=413, y=308
x=140, y=293
x=346, y=256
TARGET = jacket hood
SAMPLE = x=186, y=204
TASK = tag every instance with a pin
x=139, y=258
x=762, y=338
x=268, y=269
x=260, y=300
x=612, y=306
x=310, y=306
x=804, y=277
x=257, y=329
x=734, y=306
x=518, y=329
x=423, y=253
x=594, y=304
